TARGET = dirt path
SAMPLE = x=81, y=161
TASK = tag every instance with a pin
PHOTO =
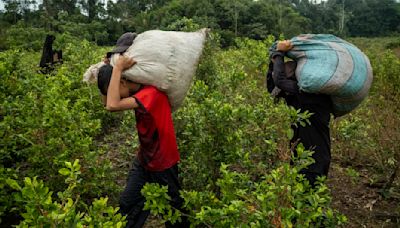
x=364, y=206
x=120, y=146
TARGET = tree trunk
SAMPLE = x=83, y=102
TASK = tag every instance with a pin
x=92, y=10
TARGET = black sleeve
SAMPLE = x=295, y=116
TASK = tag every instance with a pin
x=279, y=78
x=269, y=80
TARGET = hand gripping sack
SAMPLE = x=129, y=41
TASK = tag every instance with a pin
x=166, y=60
x=329, y=65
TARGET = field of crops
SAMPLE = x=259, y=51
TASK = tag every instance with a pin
x=64, y=159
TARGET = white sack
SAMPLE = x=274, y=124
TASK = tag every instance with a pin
x=166, y=60
x=90, y=76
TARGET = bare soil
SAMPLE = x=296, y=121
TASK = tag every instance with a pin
x=363, y=205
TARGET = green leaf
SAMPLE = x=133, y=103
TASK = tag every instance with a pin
x=76, y=164
x=28, y=181
x=289, y=133
x=64, y=171
x=68, y=164
x=13, y=184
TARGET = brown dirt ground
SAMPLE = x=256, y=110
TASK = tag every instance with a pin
x=363, y=205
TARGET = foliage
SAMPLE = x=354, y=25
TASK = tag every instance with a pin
x=104, y=23
x=23, y=37
x=366, y=18
x=355, y=133
x=157, y=202
x=353, y=174
x=281, y=198
x=232, y=135
x=225, y=118
x=41, y=211
x=184, y=24
x=6, y=177
x=46, y=120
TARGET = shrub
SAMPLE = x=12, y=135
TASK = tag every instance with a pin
x=281, y=198
x=40, y=210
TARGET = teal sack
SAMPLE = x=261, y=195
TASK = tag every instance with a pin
x=329, y=65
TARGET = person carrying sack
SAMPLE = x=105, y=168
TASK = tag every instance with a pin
x=281, y=81
x=158, y=156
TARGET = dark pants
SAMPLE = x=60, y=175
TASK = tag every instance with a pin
x=132, y=201
x=315, y=137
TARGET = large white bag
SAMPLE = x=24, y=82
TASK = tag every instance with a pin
x=90, y=76
x=166, y=60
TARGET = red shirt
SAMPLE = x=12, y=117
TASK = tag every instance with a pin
x=158, y=149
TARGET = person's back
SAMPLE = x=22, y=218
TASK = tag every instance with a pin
x=49, y=56
x=157, y=158
x=158, y=148
x=314, y=136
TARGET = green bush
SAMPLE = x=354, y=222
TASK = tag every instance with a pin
x=281, y=198
x=23, y=37
x=232, y=135
x=229, y=117
x=47, y=119
x=40, y=210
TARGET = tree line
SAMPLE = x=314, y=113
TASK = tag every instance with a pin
x=103, y=21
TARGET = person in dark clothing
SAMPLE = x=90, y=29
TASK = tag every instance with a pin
x=49, y=56
x=281, y=81
x=158, y=156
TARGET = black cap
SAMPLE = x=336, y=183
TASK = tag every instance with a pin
x=123, y=43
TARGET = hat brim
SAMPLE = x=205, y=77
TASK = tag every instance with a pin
x=119, y=49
